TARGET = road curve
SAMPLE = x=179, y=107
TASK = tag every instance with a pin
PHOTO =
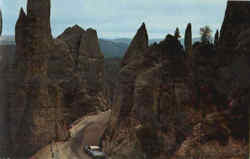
x=87, y=131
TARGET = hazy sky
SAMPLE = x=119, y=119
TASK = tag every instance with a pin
x=121, y=18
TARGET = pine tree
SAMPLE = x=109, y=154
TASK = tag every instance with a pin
x=205, y=33
x=177, y=33
x=188, y=39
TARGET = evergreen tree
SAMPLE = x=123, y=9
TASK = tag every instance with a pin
x=205, y=33
x=177, y=33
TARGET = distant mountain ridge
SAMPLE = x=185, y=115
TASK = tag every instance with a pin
x=112, y=49
x=151, y=41
x=109, y=47
x=117, y=47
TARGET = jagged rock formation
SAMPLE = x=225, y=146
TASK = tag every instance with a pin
x=236, y=20
x=53, y=81
x=83, y=90
x=72, y=37
x=1, y=22
x=188, y=39
x=137, y=46
x=222, y=87
x=123, y=102
x=216, y=38
x=145, y=95
x=37, y=119
x=59, y=80
x=48, y=72
x=171, y=106
x=4, y=134
x=233, y=76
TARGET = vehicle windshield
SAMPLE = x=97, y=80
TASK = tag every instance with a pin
x=95, y=148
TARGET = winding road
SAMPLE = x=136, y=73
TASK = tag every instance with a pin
x=86, y=132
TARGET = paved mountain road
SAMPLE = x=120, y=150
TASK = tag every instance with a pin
x=86, y=132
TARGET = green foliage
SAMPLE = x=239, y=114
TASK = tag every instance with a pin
x=177, y=33
x=206, y=34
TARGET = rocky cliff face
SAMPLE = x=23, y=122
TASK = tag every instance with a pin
x=128, y=73
x=52, y=82
x=83, y=89
x=148, y=87
x=233, y=77
x=221, y=90
x=37, y=119
x=236, y=20
x=167, y=108
x=4, y=62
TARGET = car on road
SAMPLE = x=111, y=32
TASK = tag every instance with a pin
x=95, y=152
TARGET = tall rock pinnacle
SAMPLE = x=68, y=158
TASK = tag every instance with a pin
x=137, y=46
x=40, y=11
x=36, y=118
x=236, y=20
x=188, y=39
x=1, y=22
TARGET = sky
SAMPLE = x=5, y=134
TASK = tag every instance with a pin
x=122, y=18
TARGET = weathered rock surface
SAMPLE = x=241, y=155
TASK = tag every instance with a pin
x=83, y=88
x=188, y=39
x=163, y=108
x=52, y=82
x=137, y=46
x=123, y=101
x=72, y=37
x=56, y=80
x=171, y=106
x=1, y=22
x=148, y=86
x=236, y=20
x=221, y=75
x=36, y=120
x=4, y=124
x=61, y=63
